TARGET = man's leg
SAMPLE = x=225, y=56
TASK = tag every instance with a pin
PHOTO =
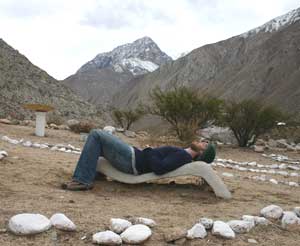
x=101, y=143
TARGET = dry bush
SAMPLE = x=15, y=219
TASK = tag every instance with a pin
x=83, y=126
x=54, y=118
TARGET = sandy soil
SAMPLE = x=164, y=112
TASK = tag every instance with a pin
x=30, y=182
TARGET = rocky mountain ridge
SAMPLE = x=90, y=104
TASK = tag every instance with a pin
x=262, y=64
x=99, y=79
x=139, y=57
x=22, y=82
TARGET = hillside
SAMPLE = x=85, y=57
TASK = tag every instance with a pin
x=262, y=64
x=99, y=79
x=22, y=82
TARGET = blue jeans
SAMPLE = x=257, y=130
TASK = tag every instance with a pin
x=100, y=143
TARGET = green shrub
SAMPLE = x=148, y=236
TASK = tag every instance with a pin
x=248, y=119
x=125, y=118
x=185, y=109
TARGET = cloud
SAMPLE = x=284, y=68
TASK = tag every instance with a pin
x=61, y=35
x=124, y=14
x=27, y=9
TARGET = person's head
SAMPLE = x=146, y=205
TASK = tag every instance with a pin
x=206, y=151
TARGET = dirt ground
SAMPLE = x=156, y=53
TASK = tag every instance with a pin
x=30, y=181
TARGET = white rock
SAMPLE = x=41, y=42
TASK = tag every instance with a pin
x=107, y=238
x=26, y=224
x=272, y=212
x=273, y=181
x=36, y=145
x=3, y=154
x=240, y=226
x=62, y=149
x=207, y=223
x=145, y=221
x=249, y=218
x=136, y=234
x=27, y=144
x=261, y=220
x=229, y=175
x=197, y=231
x=54, y=148
x=44, y=146
x=289, y=218
x=109, y=129
x=62, y=222
x=297, y=211
x=251, y=240
x=13, y=141
x=119, y=225
x=222, y=229
x=293, y=184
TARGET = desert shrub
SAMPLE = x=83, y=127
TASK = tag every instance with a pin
x=185, y=109
x=125, y=118
x=83, y=126
x=249, y=119
x=54, y=118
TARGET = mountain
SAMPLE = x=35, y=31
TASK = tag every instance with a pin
x=22, y=82
x=102, y=77
x=262, y=64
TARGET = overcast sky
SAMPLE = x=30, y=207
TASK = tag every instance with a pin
x=59, y=36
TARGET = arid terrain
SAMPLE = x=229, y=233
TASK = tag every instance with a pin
x=30, y=181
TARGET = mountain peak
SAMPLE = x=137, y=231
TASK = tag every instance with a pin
x=276, y=23
x=139, y=57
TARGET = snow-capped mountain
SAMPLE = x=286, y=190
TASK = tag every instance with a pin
x=276, y=23
x=99, y=79
x=262, y=64
x=140, y=57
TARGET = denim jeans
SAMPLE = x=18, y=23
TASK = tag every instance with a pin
x=100, y=143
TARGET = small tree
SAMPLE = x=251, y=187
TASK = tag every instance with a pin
x=184, y=109
x=125, y=118
x=249, y=119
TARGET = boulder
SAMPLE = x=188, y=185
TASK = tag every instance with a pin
x=27, y=224
x=5, y=121
x=224, y=135
x=109, y=129
x=72, y=122
x=144, y=221
x=3, y=154
x=107, y=238
x=197, y=231
x=54, y=126
x=207, y=223
x=240, y=226
x=282, y=143
x=119, y=225
x=62, y=222
x=259, y=149
x=222, y=229
x=290, y=220
x=272, y=212
x=136, y=234
x=297, y=211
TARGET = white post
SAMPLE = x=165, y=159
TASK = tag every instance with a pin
x=40, y=124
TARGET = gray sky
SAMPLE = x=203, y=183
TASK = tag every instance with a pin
x=61, y=35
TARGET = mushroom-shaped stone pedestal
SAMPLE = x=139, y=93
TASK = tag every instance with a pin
x=40, y=112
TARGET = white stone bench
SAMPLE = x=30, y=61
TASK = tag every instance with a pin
x=197, y=169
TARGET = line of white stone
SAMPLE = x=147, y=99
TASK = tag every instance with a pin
x=53, y=147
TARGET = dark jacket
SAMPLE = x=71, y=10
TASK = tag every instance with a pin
x=160, y=160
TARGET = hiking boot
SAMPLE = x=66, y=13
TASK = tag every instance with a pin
x=76, y=186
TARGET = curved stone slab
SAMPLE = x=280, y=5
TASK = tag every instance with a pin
x=197, y=168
